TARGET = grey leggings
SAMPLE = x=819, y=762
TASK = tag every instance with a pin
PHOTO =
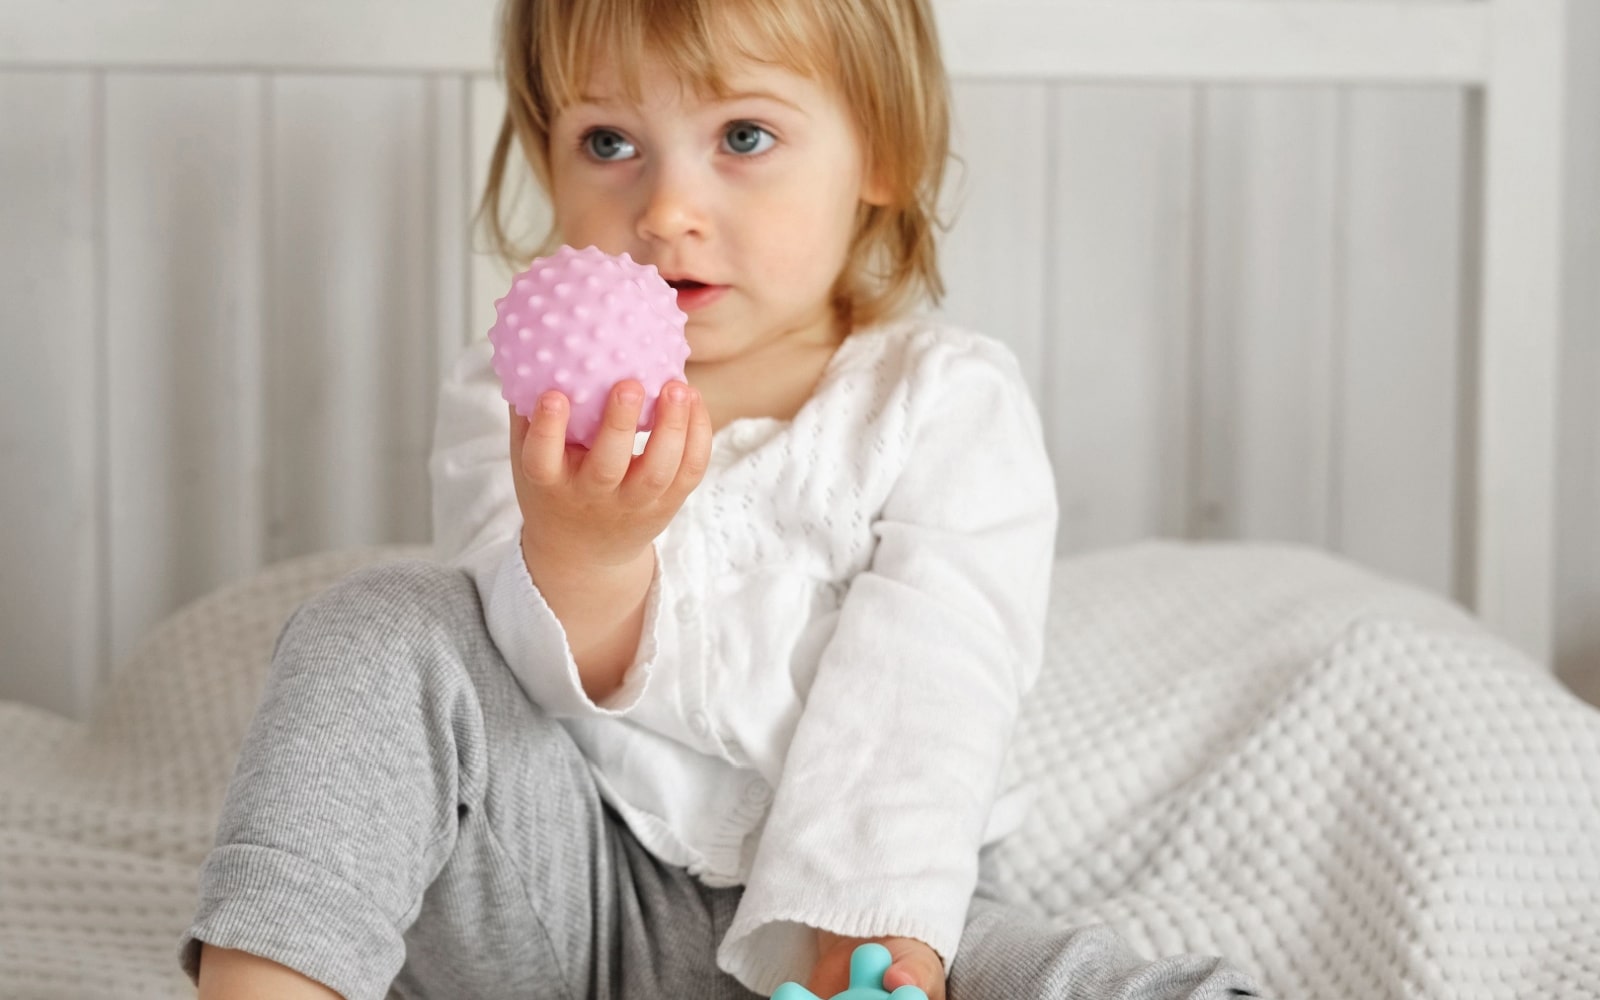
x=403, y=821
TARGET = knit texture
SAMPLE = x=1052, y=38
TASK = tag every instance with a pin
x=846, y=614
x=1340, y=783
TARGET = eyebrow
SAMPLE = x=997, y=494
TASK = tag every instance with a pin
x=602, y=101
x=763, y=95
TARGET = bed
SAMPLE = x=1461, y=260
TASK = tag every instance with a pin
x=1342, y=783
x=1345, y=782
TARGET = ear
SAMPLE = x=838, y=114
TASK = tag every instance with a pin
x=875, y=190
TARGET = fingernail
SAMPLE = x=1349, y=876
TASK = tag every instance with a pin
x=629, y=396
x=550, y=402
x=676, y=394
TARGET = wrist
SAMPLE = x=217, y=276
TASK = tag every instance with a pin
x=557, y=560
x=601, y=608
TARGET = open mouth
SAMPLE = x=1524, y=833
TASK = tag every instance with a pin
x=695, y=295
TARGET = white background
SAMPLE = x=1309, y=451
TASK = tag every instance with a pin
x=226, y=296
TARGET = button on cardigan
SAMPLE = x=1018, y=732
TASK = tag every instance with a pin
x=843, y=619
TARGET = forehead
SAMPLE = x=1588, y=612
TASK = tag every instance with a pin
x=625, y=49
x=607, y=87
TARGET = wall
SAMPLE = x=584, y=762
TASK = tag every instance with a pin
x=227, y=298
x=1578, y=555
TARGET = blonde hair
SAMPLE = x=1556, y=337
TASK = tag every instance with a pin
x=900, y=103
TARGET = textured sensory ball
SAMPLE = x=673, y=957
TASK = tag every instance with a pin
x=581, y=321
x=868, y=963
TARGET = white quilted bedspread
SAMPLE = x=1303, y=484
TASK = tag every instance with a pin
x=1341, y=783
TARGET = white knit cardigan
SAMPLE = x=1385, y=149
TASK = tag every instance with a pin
x=843, y=619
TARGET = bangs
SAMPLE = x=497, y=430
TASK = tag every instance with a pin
x=697, y=41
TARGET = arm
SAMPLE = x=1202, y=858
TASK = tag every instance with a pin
x=895, y=763
x=572, y=635
x=226, y=974
x=589, y=517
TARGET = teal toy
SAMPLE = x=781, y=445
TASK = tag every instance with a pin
x=868, y=963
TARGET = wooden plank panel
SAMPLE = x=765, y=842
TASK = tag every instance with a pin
x=183, y=307
x=453, y=203
x=528, y=210
x=1268, y=186
x=1118, y=313
x=1172, y=40
x=51, y=608
x=1400, y=396
x=1578, y=525
x=367, y=35
x=1521, y=334
x=994, y=256
x=352, y=361
x=1414, y=41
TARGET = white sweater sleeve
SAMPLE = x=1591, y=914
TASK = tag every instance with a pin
x=895, y=764
x=477, y=526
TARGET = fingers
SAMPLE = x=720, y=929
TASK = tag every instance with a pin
x=541, y=441
x=659, y=471
x=611, y=454
x=654, y=471
x=696, y=448
x=913, y=964
x=926, y=975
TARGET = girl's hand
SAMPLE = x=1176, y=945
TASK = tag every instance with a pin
x=914, y=964
x=589, y=516
x=602, y=507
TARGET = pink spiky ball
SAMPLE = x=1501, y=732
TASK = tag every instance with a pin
x=581, y=321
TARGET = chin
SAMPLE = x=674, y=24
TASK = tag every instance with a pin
x=706, y=340
x=701, y=346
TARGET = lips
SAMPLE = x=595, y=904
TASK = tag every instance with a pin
x=694, y=295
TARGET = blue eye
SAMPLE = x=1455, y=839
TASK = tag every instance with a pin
x=747, y=139
x=604, y=144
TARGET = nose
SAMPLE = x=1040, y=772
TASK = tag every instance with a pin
x=674, y=207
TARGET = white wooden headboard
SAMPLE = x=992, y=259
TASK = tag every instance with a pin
x=1305, y=271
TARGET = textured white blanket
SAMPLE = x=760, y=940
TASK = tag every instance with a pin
x=1342, y=784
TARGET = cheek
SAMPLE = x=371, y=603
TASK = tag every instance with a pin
x=584, y=225
x=583, y=211
x=808, y=236
x=572, y=212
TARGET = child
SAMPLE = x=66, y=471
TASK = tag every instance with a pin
x=697, y=721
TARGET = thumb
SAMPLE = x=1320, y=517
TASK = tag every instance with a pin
x=913, y=973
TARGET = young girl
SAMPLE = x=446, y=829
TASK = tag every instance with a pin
x=698, y=721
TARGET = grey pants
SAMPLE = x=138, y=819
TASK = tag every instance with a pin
x=403, y=821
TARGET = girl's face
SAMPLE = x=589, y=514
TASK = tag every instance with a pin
x=746, y=205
